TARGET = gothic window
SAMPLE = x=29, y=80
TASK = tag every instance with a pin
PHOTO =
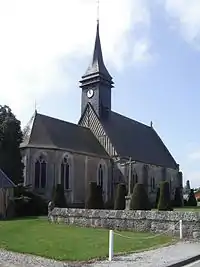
x=164, y=174
x=134, y=181
x=100, y=176
x=65, y=173
x=40, y=172
x=153, y=184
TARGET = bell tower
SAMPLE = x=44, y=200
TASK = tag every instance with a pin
x=97, y=83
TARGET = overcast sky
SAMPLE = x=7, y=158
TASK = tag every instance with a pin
x=151, y=48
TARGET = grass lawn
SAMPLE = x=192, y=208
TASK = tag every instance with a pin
x=70, y=243
x=197, y=209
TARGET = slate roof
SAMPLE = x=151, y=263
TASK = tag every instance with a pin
x=48, y=132
x=5, y=182
x=138, y=141
x=97, y=65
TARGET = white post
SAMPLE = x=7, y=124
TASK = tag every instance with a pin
x=181, y=229
x=110, y=245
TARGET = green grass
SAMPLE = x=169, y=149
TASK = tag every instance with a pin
x=185, y=209
x=70, y=243
x=197, y=209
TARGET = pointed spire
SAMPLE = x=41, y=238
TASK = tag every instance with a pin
x=97, y=66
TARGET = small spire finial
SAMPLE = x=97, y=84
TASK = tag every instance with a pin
x=35, y=106
x=151, y=124
x=98, y=11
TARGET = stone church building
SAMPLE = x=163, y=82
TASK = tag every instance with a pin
x=104, y=146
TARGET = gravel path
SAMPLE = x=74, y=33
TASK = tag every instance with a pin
x=161, y=257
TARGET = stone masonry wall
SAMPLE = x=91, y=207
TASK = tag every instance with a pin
x=151, y=221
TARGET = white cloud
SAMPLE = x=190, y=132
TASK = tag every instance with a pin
x=195, y=155
x=36, y=34
x=141, y=52
x=186, y=14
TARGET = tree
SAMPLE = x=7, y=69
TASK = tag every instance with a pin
x=178, y=198
x=59, y=199
x=192, y=202
x=164, y=200
x=99, y=199
x=94, y=199
x=120, y=202
x=139, y=198
x=157, y=196
x=187, y=188
x=188, y=184
x=10, y=140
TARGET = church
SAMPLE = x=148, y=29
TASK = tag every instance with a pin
x=104, y=146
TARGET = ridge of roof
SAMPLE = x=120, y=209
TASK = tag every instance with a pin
x=131, y=120
x=62, y=121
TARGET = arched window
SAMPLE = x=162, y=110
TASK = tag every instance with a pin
x=134, y=181
x=65, y=173
x=40, y=172
x=153, y=184
x=136, y=178
x=100, y=176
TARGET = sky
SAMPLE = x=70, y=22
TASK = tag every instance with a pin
x=150, y=47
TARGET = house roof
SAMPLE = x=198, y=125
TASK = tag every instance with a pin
x=5, y=182
x=48, y=132
x=138, y=141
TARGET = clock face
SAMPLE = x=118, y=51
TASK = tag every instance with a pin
x=90, y=93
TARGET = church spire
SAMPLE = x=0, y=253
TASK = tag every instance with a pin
x=97, y=83
x=97, y=65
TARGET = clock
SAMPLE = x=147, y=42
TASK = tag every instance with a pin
x=90, y=93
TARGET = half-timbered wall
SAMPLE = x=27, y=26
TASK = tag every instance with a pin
x=91, y=121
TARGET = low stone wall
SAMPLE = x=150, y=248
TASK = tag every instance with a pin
x=151, y=221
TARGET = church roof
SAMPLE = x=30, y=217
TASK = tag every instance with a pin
x=48, y=132
x=138, y=141
x=5, y=182
x=97, y=66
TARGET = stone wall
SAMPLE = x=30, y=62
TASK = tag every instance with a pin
x=151, y=221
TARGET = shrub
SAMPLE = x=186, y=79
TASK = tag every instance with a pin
x=94, y=199
x=139, y=198
x=109, y=205
x=27, y=203
x=131, y=187
x=185, y=203
x=91, y=199
x=120, y=202
x=59, y=199
x=192, y=202
x=157, y=197
x=99, y=199
x=177, y=198
x=164, y=200
x=30, y=204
